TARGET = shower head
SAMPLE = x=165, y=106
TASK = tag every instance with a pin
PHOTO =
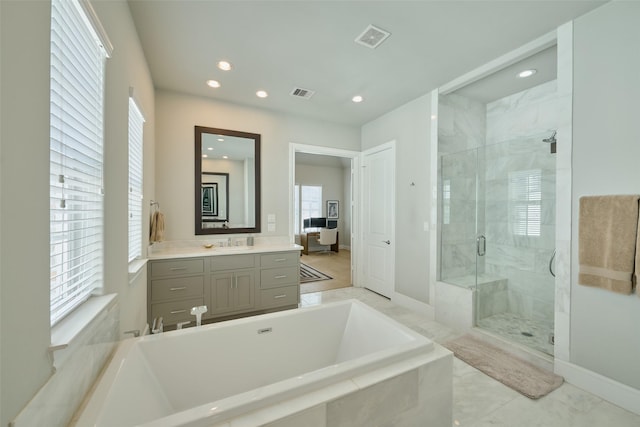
x=551, y=139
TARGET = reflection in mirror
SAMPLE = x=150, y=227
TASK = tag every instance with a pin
x=215, y=196
x=227, y=181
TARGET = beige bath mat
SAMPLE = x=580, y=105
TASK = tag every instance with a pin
x=510, y=370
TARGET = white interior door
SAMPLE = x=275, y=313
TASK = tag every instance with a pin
x=378, y=219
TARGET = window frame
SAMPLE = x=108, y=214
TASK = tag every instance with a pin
x=136, y=179
x=79, y=50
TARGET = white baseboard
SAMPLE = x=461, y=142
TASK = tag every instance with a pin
x=413, y=304
x=617, y=393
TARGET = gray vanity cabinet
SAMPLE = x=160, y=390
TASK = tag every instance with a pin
x=232, y=291
x=279, y=279
x=230, y=285
x=233, y=284
x=174, y=286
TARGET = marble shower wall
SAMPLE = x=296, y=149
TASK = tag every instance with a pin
x=461, y=129
x=516, y=126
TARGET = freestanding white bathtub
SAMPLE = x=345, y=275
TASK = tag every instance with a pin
x=277, y=369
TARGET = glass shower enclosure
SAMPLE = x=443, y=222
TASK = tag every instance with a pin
x=497, y=222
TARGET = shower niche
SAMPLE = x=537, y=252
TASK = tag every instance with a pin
x=496, y=207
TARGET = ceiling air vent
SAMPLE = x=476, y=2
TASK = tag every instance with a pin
x=302, y=93
x=372, y=37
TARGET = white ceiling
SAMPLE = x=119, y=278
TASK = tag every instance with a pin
x=278, y=45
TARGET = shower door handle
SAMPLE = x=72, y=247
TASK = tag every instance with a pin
x=481, y=245
x=553, y=273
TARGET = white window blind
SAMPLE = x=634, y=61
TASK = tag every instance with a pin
x=308, y=201
x=525, y=196
x=76, y=158
x=136, y=123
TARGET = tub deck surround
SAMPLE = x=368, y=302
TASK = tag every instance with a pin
x=267, y=368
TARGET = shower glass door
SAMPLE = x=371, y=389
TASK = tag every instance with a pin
x=459, y=218
x=497, y=223
x=515, y=294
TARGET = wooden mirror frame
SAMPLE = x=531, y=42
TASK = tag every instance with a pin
x=199, y=229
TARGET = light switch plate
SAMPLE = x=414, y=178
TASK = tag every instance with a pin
x=271, y=226
x=271, y=218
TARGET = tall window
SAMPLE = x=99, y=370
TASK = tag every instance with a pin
x=308, y=202
x=525, y=196
x=76, y=141
x=136, y=123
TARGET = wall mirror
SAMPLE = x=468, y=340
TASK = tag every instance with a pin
x=227, y=181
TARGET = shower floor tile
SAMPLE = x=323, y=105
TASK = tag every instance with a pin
x=531, y=333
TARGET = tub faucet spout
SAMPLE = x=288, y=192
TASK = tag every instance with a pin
x=198, y=312
x=157, y=327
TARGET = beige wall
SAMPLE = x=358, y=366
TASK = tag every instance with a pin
x=332, y=180
x=606, y=149
x=24, y=191
x=176, y=116
x=410, y=127
x=24, y=186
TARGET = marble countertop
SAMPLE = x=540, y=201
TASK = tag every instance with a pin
x=167, y=250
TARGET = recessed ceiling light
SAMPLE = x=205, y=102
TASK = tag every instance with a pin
x=527, y=73
x=224, y=65
x=210, y=148
x=225, y=157
x=357, y=98
x=205, y=156
x=220, y=139
x=213, y=83
x=262, y=94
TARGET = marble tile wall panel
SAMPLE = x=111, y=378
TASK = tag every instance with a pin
x=312, y=417
x=461, y=123
x=458, y=260
x=56, y=402
x=421, y=397
x=492, y=298
x=454, y=306
x=529, y=112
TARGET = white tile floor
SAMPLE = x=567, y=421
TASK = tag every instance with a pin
x=479, y=400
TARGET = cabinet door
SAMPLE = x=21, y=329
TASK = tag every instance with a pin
x=232, y=291
x=222, y=293
x=244, y=289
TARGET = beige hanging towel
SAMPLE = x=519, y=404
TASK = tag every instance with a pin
x=608, y=238
x=156, y=233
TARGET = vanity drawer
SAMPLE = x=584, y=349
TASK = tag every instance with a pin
x=275, y=277
x=232, y=262
x=181, y=287
x=276, y=297
x=279, y=259
x=177, y=267
x=175, y=311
